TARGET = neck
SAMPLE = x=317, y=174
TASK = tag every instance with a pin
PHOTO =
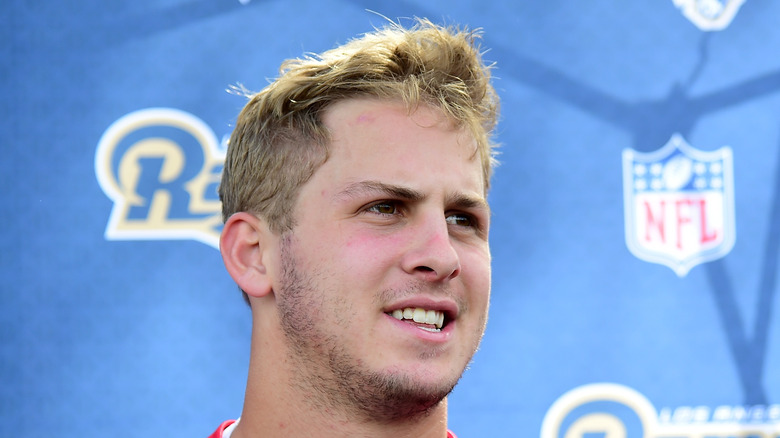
x=276, y=404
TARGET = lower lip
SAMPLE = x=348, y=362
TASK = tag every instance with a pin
x=441, y=336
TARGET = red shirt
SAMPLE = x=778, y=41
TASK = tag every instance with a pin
x=218, y=433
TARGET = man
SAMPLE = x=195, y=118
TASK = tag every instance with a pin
x=356, y=224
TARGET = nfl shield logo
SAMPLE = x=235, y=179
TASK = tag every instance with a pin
x=679, y=204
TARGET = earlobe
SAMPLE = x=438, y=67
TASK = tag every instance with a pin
x=244, y=244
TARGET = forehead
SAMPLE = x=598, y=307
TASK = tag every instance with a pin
x=367, y=110
x=384, y=122
x=383, y=139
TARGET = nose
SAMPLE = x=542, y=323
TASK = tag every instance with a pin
x=431, y=255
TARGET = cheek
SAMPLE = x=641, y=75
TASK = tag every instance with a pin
x=476, y=275
x=478, y=281
x=373, y=246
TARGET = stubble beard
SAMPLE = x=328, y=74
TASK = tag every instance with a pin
x=331, y=377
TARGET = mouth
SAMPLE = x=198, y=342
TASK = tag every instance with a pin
x=424, y=319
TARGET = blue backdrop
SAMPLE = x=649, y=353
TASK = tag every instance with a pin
x=636, y=230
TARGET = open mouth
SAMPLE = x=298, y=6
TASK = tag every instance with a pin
x=428, y=320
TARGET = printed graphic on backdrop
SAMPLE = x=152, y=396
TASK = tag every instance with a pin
x=161, y=168
x=679, y=204
x=709, y=15
x=616, y=411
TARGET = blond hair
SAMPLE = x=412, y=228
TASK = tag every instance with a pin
x=279, y=140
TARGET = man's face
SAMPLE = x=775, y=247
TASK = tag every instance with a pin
x=385, y=277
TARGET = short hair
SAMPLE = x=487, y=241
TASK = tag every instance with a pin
x=280, y=141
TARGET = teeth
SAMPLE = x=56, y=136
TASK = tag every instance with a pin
x=431, y=317
x=419, y=315
x=422, y=316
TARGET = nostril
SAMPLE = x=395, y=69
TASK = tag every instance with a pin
x=443, y=273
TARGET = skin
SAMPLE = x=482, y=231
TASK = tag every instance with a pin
x=396, y=218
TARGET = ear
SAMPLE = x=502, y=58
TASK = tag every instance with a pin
x=245, y=244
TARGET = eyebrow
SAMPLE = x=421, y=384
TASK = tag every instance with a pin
x=376, y=187
x=465, y=201
x=361, y=188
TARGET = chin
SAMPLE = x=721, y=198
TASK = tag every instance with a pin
x=397, y=393
x=402, y=400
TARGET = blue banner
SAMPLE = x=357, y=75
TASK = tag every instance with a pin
x=635, y=231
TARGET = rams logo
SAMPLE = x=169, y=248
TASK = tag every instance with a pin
x=161, y=168
x=610, y=410
x=709, y=15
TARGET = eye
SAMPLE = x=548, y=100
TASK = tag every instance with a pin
x=384, y=208
x=462, y=220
